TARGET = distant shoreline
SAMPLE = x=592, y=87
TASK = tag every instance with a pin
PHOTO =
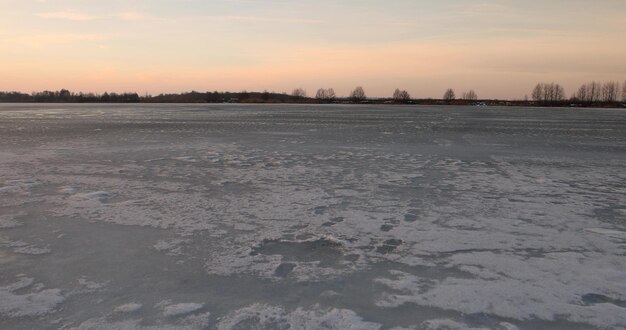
x=65, y=96
x=486, y=103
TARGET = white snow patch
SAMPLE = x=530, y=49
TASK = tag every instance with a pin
x=180, y=309
x=128, y=308
x=32, y=250
x=259, y=316
x=68, y=190
x=173, y=247
x=191, y=322
x=90, y=285
x=8, y=221
x=190, y=159
x=514, y=292
x=447, y=324
x=39, y=301
x=508, y=326
x=22, y=247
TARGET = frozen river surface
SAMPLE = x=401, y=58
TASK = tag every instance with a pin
x=308, y=217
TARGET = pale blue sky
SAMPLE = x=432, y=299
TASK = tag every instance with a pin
x=499, y=48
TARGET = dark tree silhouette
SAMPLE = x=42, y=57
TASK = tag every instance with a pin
x=595, y=92
x=610, y=91
x=470, y=96
x=321, y=94
x=548, y=92
x=581, y=95
x=358, y=94
x=325, y=94
x=299, y=93
x=401, y=96
x=330, y=94
x=537, y=93
x=449, y=95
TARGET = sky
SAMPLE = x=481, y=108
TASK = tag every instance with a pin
x=500, y=49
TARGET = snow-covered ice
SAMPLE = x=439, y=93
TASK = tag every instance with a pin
x=128, y=308
x=34, y=301
x=180, y=309
x=287, y=216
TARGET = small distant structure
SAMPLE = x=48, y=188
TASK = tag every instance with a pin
x=232, y=100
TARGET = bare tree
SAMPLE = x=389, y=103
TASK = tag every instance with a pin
x=610, y=91
x=470, y=96
x=321, y=94
x=330, y=94
x=537, y=93
x=548, y=92
x=401, y=96
x=449, y=95
x=299, y=93
x=559, y=93
x=593, y=91
x=396, y=94
x=358, y=94
x=325, y=94
x=582, y=93
x=624, y=92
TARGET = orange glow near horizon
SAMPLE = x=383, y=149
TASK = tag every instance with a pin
x=150, y=48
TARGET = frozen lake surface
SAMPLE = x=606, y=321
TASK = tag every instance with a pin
x=292, y=217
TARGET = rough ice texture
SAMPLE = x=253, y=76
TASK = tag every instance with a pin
x=445, y=324
x=93, y=196
x=194, y=322
x=181, y=309
x=473, y=217
x=90, y=286
x=272, y=317
x=128, y=308
x=9, y=221
x=22, y=247
x=38, y=301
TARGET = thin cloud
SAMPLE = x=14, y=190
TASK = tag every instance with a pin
x=68, y=15
x=266, y=19
x=131, y=16
x=73, y=15
x=43, y=40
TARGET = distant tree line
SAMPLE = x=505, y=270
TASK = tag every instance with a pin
x=297, y=96
x=548, y=94
x=65, y=96
x=358, y=95
x=470, y=96
x=594, y=92
x=591, y=93
x=401, y=96
x=326, y=95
